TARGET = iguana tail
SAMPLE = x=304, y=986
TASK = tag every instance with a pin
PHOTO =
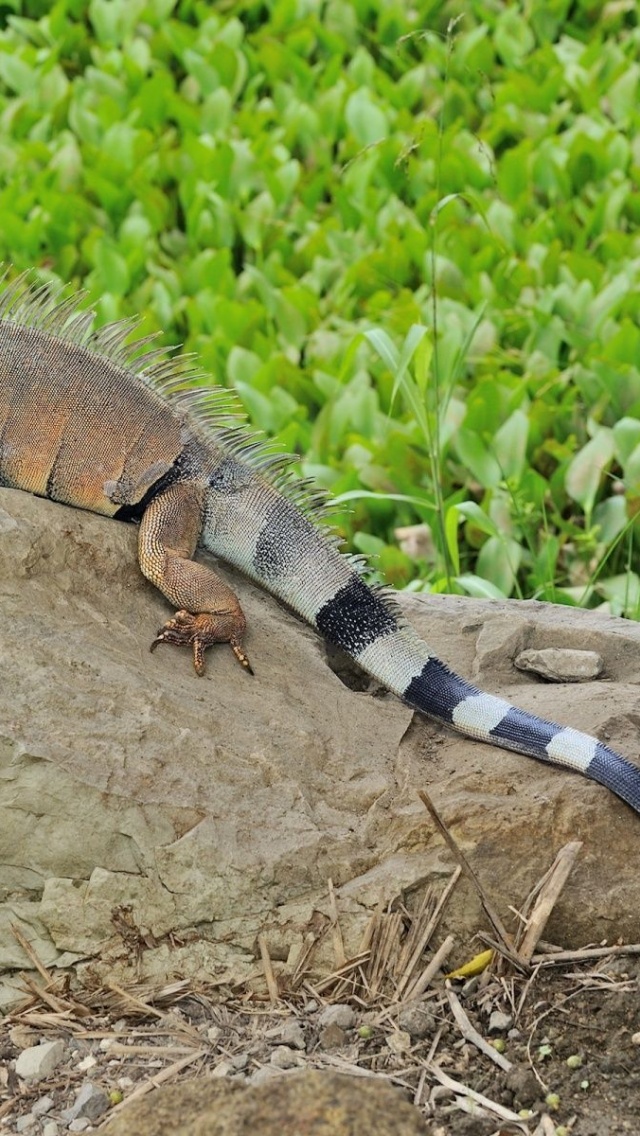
x=265, y=535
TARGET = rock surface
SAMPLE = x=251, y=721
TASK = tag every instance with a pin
x=559, y=664
x=152, y=824
x=316, y=1104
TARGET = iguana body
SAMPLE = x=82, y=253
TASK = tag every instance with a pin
x=90, y=422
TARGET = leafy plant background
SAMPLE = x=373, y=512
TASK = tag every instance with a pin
x=407, y=234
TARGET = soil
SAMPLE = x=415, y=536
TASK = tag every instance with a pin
x=571, y=1034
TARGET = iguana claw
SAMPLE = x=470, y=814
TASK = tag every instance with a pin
x=199, y=632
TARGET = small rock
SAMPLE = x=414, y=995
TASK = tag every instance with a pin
x=561, y=664
x=214, y=1033
x=291, y=1034
x=50, y=1129
x=222, y=1070
x=285, y=1058
x=332, y=1037
x=80, y=1124
x=240, y=1061
x=500, y=1022
x=25, y=1123
x=264, y=1073
x=398, y=1042
x=39, y=1060
x=42, y=1106
x=417, y=1021
x=470, y=986
x=339, y=1015
x=87, y=1063
x=635, y=1038
x=90, y=1103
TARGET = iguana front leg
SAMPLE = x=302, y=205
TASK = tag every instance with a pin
x=208, y=611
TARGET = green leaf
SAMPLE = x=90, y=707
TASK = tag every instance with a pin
x=472, y=512
x=365, y=119
x=584, y=474
x=476, y=457
x=479, y=588
x=385, y=347
x=510, y=445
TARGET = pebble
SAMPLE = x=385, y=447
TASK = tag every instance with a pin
x=25, y=1123
x=499, y=1022
x=338, y=1015
x=285, y=1058
x=90, y=1103
x=222, y=1070
x=416, y=1021
x=399, y=1041
x=332, y=1037
x=87, y=1063
x=80, y=1124
x=42, y=1106
x=39, y=1061
x=264, y=1073
x=291, y=1034
x=51, y=1129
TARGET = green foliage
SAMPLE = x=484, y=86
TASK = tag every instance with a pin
x=409, y=238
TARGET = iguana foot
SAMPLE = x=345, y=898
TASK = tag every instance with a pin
x=202, y=631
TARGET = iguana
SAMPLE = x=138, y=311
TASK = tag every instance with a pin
x=90, y=420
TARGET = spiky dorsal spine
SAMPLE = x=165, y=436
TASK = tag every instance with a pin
x=213, y=411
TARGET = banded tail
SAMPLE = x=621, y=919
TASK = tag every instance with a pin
x=292, y=559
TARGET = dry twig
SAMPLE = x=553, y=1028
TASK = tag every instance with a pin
x=550, y=889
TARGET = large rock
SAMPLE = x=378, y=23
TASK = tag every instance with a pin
x=153, y=823
x=300, y=1104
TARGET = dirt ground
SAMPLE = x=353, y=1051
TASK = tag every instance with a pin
x=570, y=1032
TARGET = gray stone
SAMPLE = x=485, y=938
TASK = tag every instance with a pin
x=39, y=1061
x=560, y=664
x=332, y=1037
x=339, y=1014
x=222, y=1070
x=500, y=1022
x=50, y=1128
x=90, y=1103
x=291, y=1033
x=417, y=1021
x=42, y=1106
x=26, y=1123
x=285, y=1058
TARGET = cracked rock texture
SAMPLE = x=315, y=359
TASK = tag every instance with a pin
x=152, y=824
